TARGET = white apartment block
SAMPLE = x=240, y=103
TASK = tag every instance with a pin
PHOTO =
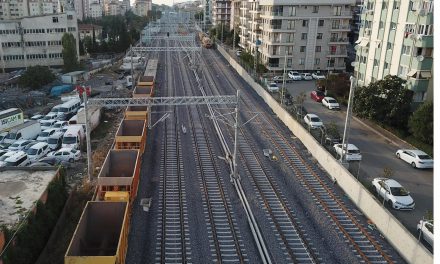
x=142, y=7
x=301, y=35
x=36, y=40
x=13, y=9
x=221, y=12
x=95, y=10
x=112, y=8
x=396, y=38
x=81, y=8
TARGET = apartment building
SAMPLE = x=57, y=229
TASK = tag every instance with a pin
x=95, y=10
x=142, y=7
x=396, y=38
x=36, y=40
x=13, y=9
x=221, y=12
x=86, y=30
x=297, y=35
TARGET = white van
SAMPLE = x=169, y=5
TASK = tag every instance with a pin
x=73, y=137
x=38, y=151
x=68, y=109
x=46, y=124
x=55, y=140
x=19, y=159
x=28, y=130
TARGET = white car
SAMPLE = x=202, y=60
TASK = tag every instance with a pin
x=45, y=134
x=50, y=116
x=393, y=193
x=60, y=124
x=36, y=117
x=417, y=158
x=66, y=154
x=426, y=227
x=273, y=87
x=46, y=124
x=306, y=76
x=313, y=121
x=5, y=156
x=318, y=75
x=330, y=103
x=19, y=144
x=294, y=75
x=17, y=159
x=38, y=151
x=353, y=153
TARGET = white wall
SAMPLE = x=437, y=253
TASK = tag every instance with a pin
x=404, y=242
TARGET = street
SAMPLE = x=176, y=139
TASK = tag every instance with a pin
x=378, y=153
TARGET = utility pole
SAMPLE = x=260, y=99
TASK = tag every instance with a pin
x=222, y=32
x=89, y=147
x=347, y=120
x=233, y=40
x=284, y=79
x=234, y=157
x=131, y=54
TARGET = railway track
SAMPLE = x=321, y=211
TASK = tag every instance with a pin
x=226, y=244
x=173, y=241
x=365, y=245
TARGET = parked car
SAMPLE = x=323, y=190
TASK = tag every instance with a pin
x=330, y=103
x=50, y=116
x=306, y=76
x=294, y=75
x=18, y=159
x=38, y=151
x=426, y=229
x=313, y=121
x=28, y=146
x=393, y=193
x=45, y=134
x=51, y=161
x=279, y=79
x=273, y=87
x=317, y=96
x=2, y=136
x=37, y=117
x=353, y=153
x=60, y=124
x=318, y=75
x=417, y=158
x=19, y=144
x=3, y=152
x=5, y=156
x=66, y=154
x=55, y=140
x=332, y=135
x=46, y=124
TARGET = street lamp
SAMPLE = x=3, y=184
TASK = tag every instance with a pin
x=347, y=121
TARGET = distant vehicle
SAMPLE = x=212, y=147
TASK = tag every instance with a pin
x=68, y=109
x=55, y=140
x=2, y=136
x=417, y=158
x=294, y=75
x=318, y=75
x=267, y=152
x=66, y=154
x=60, y=124
x=19, y=144
x=273, y=87
x=28, y=130
x=50, y=116
x=73, y=137
x=38, y=151
x=45, y=134
x=28, y=146
x=330, y=103
x=60, y=89
x=10, y=118
x=37, y=117
x=18, y=159
x=426, y=228
x=129, y=81
x=317, y=96
x=353, y=153
x=313, y=121
x=393, y=193
x=3, y=152
x=51, y=161
x=279, y=79
x=46, y=124
x=238, y=53
x=306, y=76
x=5, y=156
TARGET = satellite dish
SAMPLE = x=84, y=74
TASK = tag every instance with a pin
x=353, y=64
x=420, y=58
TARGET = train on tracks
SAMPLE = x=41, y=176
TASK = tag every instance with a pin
x=101, y=235
x=206, y=40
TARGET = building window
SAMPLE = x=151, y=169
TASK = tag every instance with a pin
x=290, y=24
x=375, y=62
x=302, y=49
x=386, y=65
x=315, y=9
x=318, y=49
x=321, y=23
x=319, y=36
x=55, y=19
x=396, y=4
x=290, y=37
x=292, y=11
x=389, y=45
x=289, y=62
x=393, y=26
x=403, y=71
x=302, y=61
x=406, y=50
x=337, y=10
x=317, y=61
x=304, y=36
x=69, y=17
x=380, y=24
x=384, y=5
x=305, y=23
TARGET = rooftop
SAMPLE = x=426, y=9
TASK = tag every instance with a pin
x=89, y=27
x=19, y=190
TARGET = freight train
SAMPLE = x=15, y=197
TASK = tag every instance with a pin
x=101, y=235
x=205, y=39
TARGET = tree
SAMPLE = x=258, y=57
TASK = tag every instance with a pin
x=387, y=101
x=337, y=85
x=70, y=56
x=421, y=123
x=36, y=76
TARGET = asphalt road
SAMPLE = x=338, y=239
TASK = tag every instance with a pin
x=378, y=153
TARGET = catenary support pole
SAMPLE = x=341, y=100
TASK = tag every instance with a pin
x=89, y=147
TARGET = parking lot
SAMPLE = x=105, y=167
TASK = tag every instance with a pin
x=378, y=152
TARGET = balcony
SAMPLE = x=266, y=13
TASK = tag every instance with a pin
x=341, y=28
x=338, y=53
x=344, y=14
x=338, y=41
x=417, y=85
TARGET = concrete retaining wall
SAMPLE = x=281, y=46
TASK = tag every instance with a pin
x=404, y=242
